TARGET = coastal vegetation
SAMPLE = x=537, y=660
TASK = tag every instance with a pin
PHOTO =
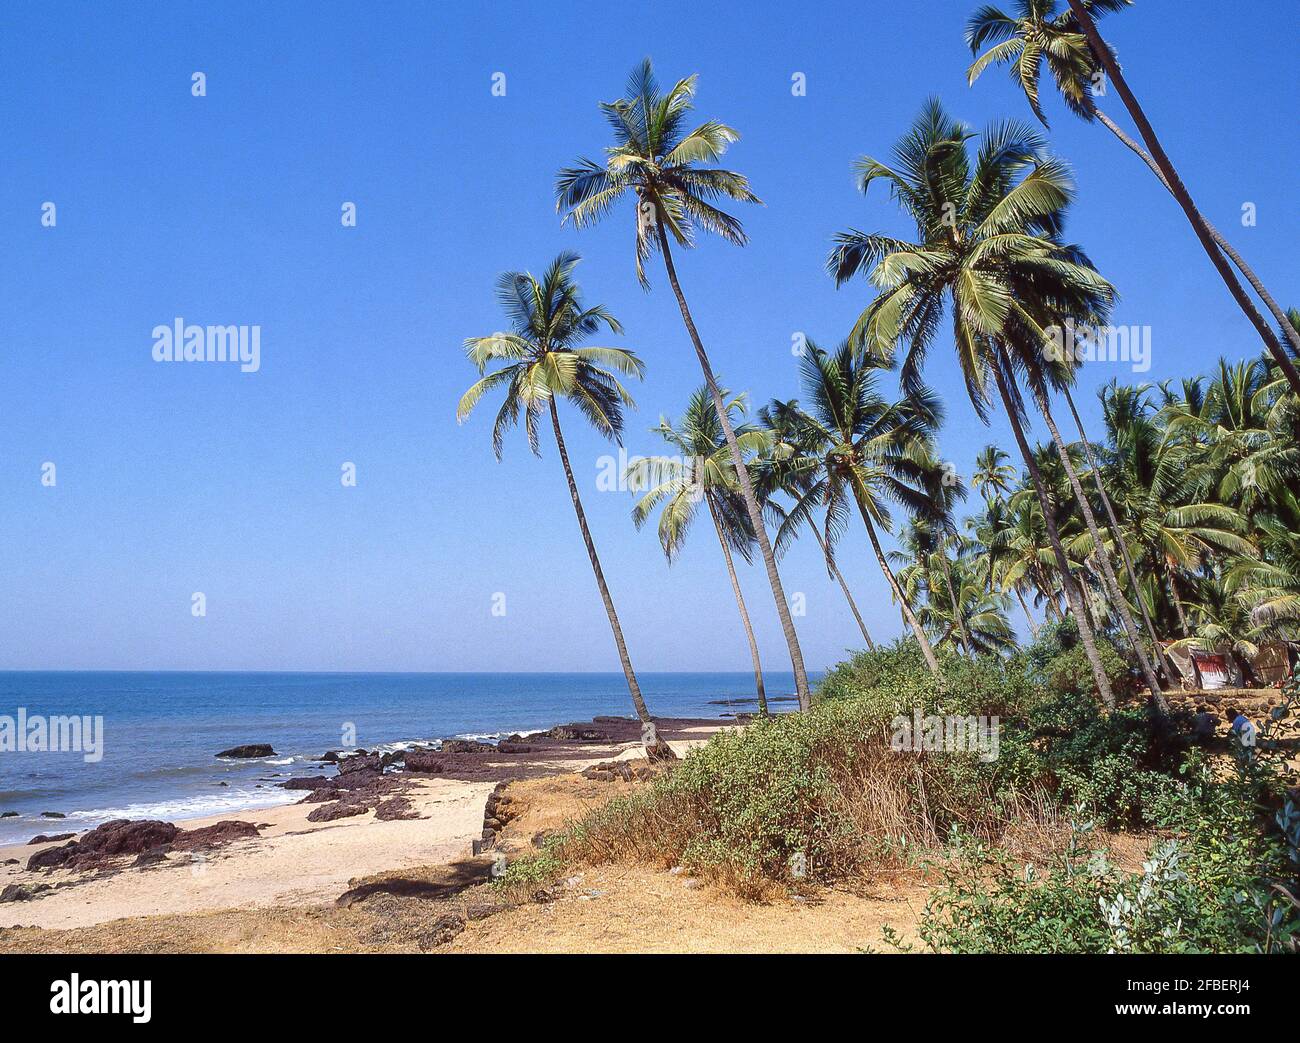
x=1169, y=530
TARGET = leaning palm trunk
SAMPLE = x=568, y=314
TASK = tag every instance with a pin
x=967, y=645
x=1175, y=185
x=1170, y=668
x=614, y=625
x=1109, y=582
x=1033, y=627
x=1072, y=595
x=740, y=604
x=746, y=486
x=908, y=615
x=839, y=577
x=1275, y=310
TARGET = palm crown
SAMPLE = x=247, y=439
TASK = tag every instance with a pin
x=541, y=358
x=701, y=472
x=988, y=246
x=856, y=444
x=657, y=161
x=1038, y=35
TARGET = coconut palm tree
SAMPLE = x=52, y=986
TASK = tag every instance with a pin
x=1068, y=44
x=786, y=468
x=657, y=162
x=541, y=360
x=993, y=475
x=987, y=246
x=868, y=451
x=1157, y=484
x=701, y=472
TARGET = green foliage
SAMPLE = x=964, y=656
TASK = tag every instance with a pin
x=524, y=876
x=1189, y=897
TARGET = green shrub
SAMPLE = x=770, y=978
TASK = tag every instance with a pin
x=1189, y=897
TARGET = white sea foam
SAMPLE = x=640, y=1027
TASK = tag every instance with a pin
x=200, y=806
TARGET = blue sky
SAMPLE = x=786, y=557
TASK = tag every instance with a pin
x=173, y=479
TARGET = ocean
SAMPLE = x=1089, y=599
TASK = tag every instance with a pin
x=162, y=731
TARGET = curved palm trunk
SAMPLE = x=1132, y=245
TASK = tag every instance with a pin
x=746, y=486
x=1033, y=627
x=1072, y=595
x=1109, y=582
x=614, y=625
x=1171, y=670
x=834, y=570
x=740, y=604
x=908, y=615
x=1175, y=185
x=967, y=645
x=1279, y=316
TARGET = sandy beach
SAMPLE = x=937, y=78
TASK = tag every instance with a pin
x=293, y=862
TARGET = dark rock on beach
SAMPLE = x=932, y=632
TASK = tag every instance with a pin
x=577, y=733
x=466, y=746
x=50, y=838
x=360, y=762
x=22, y=892
x=121, y=837
x=308, y=782
x=336, y=810
x=395, y=808
x=112, y=839
x=424, y=761
x=256, y=749
x=215, y=835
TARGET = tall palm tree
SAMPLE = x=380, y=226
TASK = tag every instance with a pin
x=987, y=241
x=656, y=161
x=701, y=472
x=1117, y=535
x=540, y=360
x=1068, y=44
x=1043, y=374
x=868, y=451
x=785, y=468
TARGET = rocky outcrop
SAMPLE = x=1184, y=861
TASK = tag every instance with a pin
x=425, y=761
x=360, y=762
x=216, y=835
x=577, y=733
x=256, y=749
x=466, y=746
x=103, y=845
x=395, y=808
x=51, y=838
x=335, y=810
x=22, y=892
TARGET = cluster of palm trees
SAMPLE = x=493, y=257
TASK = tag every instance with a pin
x=1181, y=522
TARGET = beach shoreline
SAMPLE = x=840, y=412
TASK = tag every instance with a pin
x=295, y=862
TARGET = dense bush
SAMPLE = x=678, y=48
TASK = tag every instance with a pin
x=821, y=796
x=812, y=795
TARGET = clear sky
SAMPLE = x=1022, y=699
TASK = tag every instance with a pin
x=225, y=209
